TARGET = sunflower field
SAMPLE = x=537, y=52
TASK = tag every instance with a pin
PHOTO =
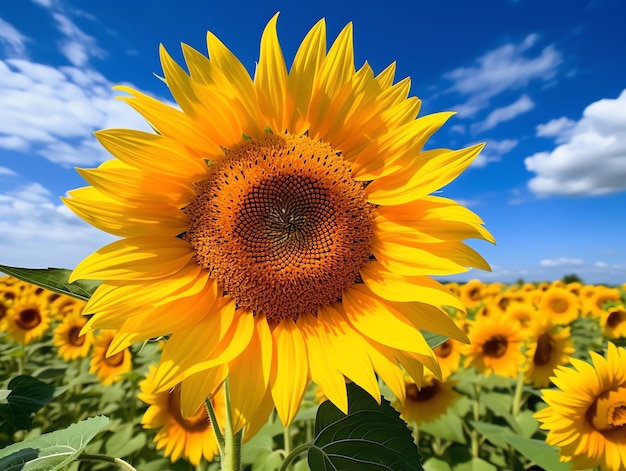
x=542, y=385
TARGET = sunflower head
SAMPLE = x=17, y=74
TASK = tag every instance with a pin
x=560, y=305
x=28, y=318
x=613, y=322
x=428, y=402
x=586, y=415
x=68, y=338
x=282, y=224
x=109, y=368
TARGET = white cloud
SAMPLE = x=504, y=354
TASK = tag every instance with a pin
x=561, y=261
x=43, y=3
x=14, y=42
x=493, y=151
x=509, y=67
x=33, y=222
x=505, y=113
x=6, y=171
x=558, y=128
x=77, y=46
x=591, y=157
x=600, y=264
x=53, y=111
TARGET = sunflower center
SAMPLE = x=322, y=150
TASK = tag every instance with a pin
x=74, y=337
x=615, y=319
x=426, y=393
x=496, y=346
x=28, y=319
x=195, y=423
x=115, y=360
x=545, y=347
x=608, y=412
x=559, y=305
x=281, y=225
x=444, y=350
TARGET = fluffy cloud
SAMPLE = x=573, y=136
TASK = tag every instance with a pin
x=505, y=113
x=591, y=156
x=561, y=261
x=53, y=111
x=77, y=46
x=32, y=221
x=508, y=67
x=13, y=41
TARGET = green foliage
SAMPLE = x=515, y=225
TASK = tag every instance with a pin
x=571, y=278
x=371, y=437
x=24, y=397
x=51, y=451
x=54, y=279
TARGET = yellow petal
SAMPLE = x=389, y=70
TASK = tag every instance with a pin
x=303, y=74
x=136, y=258
x=198, y=387
x=346, y=348
x=387, y=367
x=271, y=79
x=323, y=371
x=290, y=370
x=380, y=321
x=250, y=374
x=438, y=167
x=393, y=287
x=153, y=153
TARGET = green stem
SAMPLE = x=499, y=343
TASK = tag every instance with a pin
x=215, y=425
x=231, y=458
x=517, y=395
x=476, y=412
x=286, y=440
x=117, y=462
x=294, y=454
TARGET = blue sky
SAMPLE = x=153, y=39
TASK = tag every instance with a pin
x=543, y=83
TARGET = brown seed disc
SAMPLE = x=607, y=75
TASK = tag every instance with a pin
x=282, y=226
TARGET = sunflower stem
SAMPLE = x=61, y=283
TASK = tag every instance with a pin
x=286, y=440
x=517, y=395
x=294, y=454
x=231, y=456
x=476, y=413
x=215, y=425
x=117, y=462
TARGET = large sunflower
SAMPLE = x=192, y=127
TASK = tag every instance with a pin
x=586, y=416
x=281, y=228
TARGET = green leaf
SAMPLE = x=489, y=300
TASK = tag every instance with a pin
x=434, y=340
x=54, y=279
x=122, y=443
x=27, y=395
x=537, y=451
x=371, y=437
x=436, y=464
x=51, y=451
x=475, y=464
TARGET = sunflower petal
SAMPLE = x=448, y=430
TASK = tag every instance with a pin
x=290, y=370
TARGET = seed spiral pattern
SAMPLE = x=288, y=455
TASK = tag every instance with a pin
x=282, y=226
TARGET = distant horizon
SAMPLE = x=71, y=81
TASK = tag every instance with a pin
x=541, y=85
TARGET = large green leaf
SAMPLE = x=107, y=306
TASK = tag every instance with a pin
x=26, y=395
x=54, y=279
x=51, y=451
x=371, y=437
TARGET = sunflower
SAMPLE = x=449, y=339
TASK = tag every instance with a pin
x=552, y=348
x=28, y=316
x=586, y=416
x=603, y=297
x=496, y=347
x=613, y=322
x=108, y=367
x=525, y=314
x=282, y=225
x=560, y=305
x=471, y=293
x=429, y=402
x=449, y=356
x=191, y=438
x=67, y=336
